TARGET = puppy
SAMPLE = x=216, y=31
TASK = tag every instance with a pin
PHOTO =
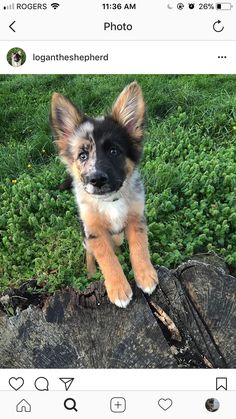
x=16, y=59
x=102, y=156
x=211, y=405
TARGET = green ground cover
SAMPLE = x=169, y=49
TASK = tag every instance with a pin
x=188, y=170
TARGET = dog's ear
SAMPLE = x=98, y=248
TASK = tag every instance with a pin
x=129, y=110
x=65, y=119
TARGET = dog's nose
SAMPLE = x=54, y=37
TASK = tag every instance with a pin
x=98, y=179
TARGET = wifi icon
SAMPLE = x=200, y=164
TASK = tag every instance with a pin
x=55, y=5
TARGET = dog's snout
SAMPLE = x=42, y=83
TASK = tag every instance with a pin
x=98, y=179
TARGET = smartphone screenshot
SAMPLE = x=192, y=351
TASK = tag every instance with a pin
x=117, y=209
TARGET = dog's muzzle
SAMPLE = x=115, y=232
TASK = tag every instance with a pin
x=97, y=179
x=97, y=183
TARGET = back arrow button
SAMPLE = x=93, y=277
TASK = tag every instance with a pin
x=11, y=26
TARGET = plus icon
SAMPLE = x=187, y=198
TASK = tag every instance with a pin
x=118, y=405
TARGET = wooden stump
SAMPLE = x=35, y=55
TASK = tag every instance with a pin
x=189, y=322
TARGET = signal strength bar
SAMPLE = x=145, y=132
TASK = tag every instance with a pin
x=9, y=6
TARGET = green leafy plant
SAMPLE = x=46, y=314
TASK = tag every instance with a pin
x=188, y=170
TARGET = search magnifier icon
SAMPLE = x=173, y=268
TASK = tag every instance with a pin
x=70, y=404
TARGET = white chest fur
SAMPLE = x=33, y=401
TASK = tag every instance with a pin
x=114, y=208
x=116, y=212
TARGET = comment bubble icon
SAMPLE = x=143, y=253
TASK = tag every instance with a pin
x=41, y=384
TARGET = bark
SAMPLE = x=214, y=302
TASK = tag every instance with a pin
x=189, y=322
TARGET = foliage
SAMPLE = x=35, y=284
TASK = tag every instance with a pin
x=188, y=170
x=16, y=51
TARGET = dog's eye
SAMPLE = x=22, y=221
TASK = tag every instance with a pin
x=114, y=151
x=83, y=156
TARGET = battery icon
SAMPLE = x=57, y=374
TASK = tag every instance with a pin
x=224, y=6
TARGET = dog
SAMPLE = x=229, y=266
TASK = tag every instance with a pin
x=102, y=156
x=212, y=405
x=16, y=59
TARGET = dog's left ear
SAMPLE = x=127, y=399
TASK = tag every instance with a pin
x=129, y=110
x=65, y=119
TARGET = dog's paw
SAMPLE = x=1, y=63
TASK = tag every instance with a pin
x=147, y=279
x=120, y=293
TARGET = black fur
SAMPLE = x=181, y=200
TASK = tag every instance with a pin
x=114, y=146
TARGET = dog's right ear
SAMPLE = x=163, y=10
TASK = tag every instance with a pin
x=65, y=119
x=129, y=110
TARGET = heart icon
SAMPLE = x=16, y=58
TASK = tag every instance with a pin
x=165, y=403
x=16, y=383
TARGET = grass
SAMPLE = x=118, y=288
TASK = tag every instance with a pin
x=188, y=169
x=16, y=50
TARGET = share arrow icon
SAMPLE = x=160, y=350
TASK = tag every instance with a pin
x=67, y=382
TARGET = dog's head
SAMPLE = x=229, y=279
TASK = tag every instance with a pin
x=16, y=57
x=100, y=153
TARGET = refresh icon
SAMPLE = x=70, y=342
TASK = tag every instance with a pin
x=218, y=26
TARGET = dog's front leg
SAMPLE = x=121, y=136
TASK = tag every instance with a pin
x=91, y=264
x=145, y=274
x=117, y=286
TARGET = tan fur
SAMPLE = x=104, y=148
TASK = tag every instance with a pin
x=71, y=117
x=104, y=220
x=95, y=223
x=75, y=171
x=101, y=247
x=129, y=167
x=91, y=264
x=118, y=239
x=129, y=110
x=116, y=283
x=136, y=232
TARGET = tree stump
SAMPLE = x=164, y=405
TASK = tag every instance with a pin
x=189, y=322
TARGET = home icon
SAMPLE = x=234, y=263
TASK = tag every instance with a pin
x=23, y=406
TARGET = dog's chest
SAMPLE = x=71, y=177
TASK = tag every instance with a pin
x=115, y=213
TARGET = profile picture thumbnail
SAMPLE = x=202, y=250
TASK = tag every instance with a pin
x=212, y=405
x=16, y=57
